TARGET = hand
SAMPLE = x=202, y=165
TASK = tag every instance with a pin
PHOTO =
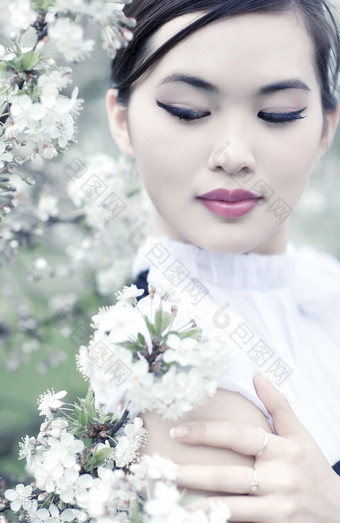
x=295, y=482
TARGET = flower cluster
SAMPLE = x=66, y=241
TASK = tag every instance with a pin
x=152, y=355
x=112, y=201
x=95, y=245
x=77, y=475
x=37, y=121
x=85, y=460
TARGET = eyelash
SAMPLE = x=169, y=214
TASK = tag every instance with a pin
x=282, y=118
x=186, y=115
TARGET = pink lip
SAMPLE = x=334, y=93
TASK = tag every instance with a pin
x=230, y=204
x=229, y=196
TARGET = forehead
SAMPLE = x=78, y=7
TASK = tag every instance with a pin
x=263, y=42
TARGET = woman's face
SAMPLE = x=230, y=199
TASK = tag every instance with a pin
x=235, y=106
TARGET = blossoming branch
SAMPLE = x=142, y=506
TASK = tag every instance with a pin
x=151, y=355
x=36, y=119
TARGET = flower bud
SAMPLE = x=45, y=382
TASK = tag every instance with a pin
x=174, y=309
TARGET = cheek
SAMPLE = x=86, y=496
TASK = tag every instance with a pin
x=165, y=159
x=159, y=170
x=292, y=160
x=161, y=140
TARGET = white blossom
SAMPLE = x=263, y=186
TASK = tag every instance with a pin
x=26, y=447
x=110, y=492
x=196, y=364
x=22, y=14
x=20, y=497
x=121, y=321
x=51, y=83
x=68, y=38
x=44, y=129
x=55, y=465
x=219, y=512
x=73, y=488
x=49, y=402
x=158, y=467
x=5, y=156
x=110, y=261
x=64, y=448
x=109, y=15
x=47, y=206
x=53, y=428
x=25, y=112
x=115, y=38
x=53, y=515
x=164, y=506
x=181, y=350
x=129, y=294
x=165, y=503
x=127, y=447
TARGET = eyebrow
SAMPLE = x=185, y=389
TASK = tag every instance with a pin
x=203, y=85
x=281, y=86
x=194, y=81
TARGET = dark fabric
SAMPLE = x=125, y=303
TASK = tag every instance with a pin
x=141, y=283
x=336, y=467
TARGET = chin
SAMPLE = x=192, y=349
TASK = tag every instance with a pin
x=222, y=246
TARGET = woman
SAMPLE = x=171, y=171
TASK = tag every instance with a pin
x=226, y=106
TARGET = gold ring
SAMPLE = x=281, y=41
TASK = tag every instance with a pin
x=265, y=443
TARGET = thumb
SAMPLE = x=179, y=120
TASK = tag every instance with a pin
x=285, y=421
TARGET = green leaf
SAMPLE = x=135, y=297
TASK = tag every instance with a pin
x=162, y=320
x=99, y=457
x=133, y=192
x=150, y=326
x=41, y=6
x=9, y=64
x=83, y=418
x=27, y=61
x=141, y=338
x=89, y=404
x=130, y=345
x=158, y=321
x=136, y=515
x=193, y=333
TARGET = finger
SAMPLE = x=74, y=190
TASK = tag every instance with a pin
x=231, y=480
x=239, y=437
x=242, y=508
x=285, y=421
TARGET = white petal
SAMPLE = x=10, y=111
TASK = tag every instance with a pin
x=11, y=494
x=15, y=505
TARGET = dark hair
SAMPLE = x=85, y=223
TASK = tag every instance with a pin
x=131, y=62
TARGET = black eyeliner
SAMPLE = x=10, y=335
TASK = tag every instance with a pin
x=282, y=117
x=186, y=114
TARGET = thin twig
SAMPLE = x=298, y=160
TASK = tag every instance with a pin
x=118, y=425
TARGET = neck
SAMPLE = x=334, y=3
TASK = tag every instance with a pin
x=274, y=244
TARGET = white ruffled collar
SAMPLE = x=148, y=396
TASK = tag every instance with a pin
x=229, y=271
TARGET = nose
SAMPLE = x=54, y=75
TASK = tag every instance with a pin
x=233, y=156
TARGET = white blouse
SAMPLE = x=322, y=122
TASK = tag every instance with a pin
x=289, y=328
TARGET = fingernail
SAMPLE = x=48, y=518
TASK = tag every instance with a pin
x=179, y=432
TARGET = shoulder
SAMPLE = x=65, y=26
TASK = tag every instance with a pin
x=313, y=263
x=316, y=280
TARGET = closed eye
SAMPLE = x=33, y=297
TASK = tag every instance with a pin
x=188, y=115
x=183, y=114
x=281, y=118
